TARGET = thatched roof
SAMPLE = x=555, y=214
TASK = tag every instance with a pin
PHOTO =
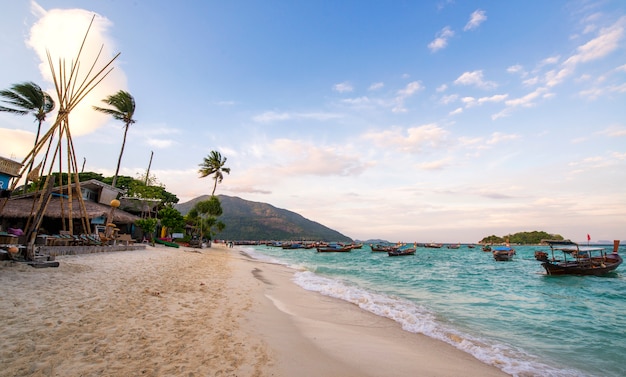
x=21, y=208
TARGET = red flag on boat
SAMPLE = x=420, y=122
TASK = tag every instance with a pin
x=588, y=237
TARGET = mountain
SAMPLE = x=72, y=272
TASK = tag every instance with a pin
x=246, y=220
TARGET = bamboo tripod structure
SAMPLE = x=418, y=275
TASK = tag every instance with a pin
x=70, y=91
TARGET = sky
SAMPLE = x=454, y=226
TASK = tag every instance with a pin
x=427, y=121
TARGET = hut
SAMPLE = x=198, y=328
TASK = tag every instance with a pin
x=8, y=169
x=96, y=197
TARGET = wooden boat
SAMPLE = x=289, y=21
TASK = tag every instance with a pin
x=333, y=249
x=486, y=248
x=581, y=260
x=541, y=256
x=292, y=245
x=503, y=253
x=379, y=247
x=454, y=246
x=433, y=245
x=396, y=252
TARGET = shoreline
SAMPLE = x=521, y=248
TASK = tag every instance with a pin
x=213, y=311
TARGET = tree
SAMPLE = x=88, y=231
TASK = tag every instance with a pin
x=214, y=165
x=25, y=98
x=148, y=226
x=171, y=218
x=204, y=216
x=123, y=109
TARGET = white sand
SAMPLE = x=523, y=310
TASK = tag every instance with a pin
x=180, y=312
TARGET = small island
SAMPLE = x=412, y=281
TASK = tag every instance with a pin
x=521, y=238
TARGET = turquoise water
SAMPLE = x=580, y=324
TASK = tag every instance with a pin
x=507, y=314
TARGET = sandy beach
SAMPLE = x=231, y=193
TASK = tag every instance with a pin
x=191, y=312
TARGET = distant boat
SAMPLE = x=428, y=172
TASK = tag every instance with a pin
x=541, y=256
x=433, y=245
x=486, y=248
x=401, y=250
x=471, y=246
x=454, y=246
x=333, y=249
x=293, y=245
x=503, y=253
x=581, y=260
x=379, y=247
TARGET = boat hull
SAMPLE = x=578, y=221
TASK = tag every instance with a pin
x=333, y=249
x=596, y=267
x=503, y=257
x=398, y=253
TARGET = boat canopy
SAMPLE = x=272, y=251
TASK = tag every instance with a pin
x=502, y=248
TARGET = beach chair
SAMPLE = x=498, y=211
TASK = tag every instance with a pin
x=61, y=240
x=104, y=239
x=126, y=239
x=90, y=240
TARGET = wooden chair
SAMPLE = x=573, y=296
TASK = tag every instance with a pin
x=126, y=239
x=104, y=239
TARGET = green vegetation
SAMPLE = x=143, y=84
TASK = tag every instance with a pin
x=204, y=217
x=521, y=238
x=172, y=219
x=148, y=227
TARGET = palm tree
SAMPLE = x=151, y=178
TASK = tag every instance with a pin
x=123, y=109
x=25, y=98
x=214, y=165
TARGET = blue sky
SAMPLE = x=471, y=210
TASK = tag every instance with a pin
x=441, y=121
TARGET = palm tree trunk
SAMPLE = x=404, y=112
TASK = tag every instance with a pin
x=119, y=160
x=32, y=161
x=214, y=187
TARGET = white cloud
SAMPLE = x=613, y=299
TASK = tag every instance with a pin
x=550, y=60
x=471, y=101
x=359, y=101
x=271, y=116
x=516, y=69
x=458, y=110
x=159, y=143
x=61, y=32
x=476, y=18
x=531, y=81
x=528, y=100
x=474, y=78
x=301, y=158
x=343, y=87
x=410, y=89
x=441, y=39
x=435, y=165
x=376, y=86
x=225, y=103
x=606, y=42
x=446, y=100
x=499, y=137
x=614, y=131
x=411, y=140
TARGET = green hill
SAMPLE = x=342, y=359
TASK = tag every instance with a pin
x=246, y=220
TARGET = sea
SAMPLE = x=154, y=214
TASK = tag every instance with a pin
x=507, y=314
